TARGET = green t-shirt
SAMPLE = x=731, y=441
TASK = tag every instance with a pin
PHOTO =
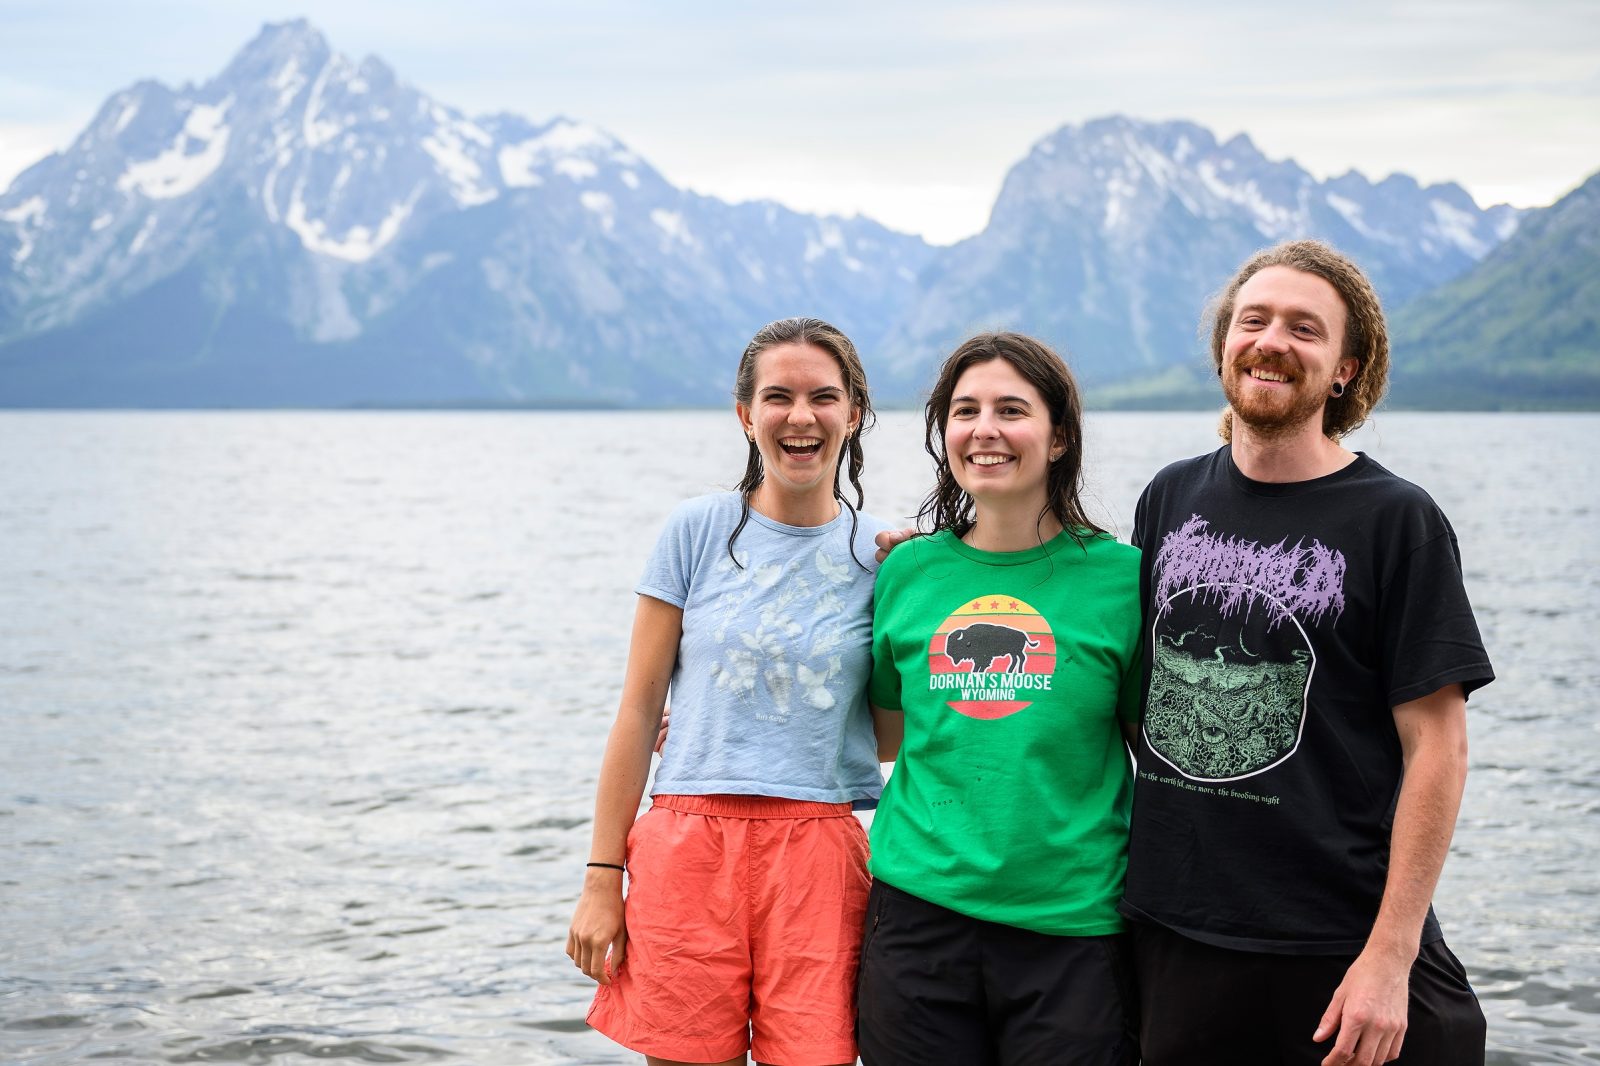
x=1009, y=801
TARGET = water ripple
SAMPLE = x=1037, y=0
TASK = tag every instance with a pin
x=337, y=774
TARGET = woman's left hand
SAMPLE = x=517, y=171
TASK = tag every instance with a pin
x=597, y=926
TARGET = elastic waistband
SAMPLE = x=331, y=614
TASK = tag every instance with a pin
x=726, y=806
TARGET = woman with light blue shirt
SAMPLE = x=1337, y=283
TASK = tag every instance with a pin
x=747, y=876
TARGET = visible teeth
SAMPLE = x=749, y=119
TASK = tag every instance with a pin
x=799, y=442
x=1267, y=375
x=989, y=460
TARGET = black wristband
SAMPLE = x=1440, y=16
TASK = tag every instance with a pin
x=606, y=865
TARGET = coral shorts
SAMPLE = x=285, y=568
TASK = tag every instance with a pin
x=744, y=917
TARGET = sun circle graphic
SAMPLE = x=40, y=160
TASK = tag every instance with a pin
x=991, y=657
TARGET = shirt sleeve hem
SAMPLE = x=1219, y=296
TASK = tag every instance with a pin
x=663, y=595
x=1469, y=677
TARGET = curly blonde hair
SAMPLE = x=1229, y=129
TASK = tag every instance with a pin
x=1366, y=336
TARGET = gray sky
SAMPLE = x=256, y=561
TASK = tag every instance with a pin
x=909, y=112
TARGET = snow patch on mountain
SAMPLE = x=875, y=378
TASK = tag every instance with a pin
x=517, y=163
x=575, y=150
x=136, y=245
x=673, y=227
x=129, y=110
x=576, y=169
x=316, y=129
x=1456, y=226
x=288, y=81
x=447, y=146
x=1351, y=212
x=358, y=243
x=26, y=216
x=565, y=137
x=603, y=206
x=826, y=239
x=1271, y=219
x=192, y=157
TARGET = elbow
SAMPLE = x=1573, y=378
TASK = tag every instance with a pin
x=1446, y=765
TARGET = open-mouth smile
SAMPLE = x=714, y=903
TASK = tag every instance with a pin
x=1263, y=374
x=800, y=447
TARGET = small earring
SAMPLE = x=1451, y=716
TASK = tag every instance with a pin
x=1338, y=389
x=1219, y=370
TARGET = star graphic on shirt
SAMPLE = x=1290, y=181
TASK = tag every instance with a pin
x=1013, y=605
x=978, y=606
x=994, y=605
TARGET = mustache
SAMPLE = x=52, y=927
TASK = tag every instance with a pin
x=1254, y=360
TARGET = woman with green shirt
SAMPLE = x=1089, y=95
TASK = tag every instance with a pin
x=1008, y=637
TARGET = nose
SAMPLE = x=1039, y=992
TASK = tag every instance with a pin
x=1275, y=338
x=987, y=426
x=800, y=414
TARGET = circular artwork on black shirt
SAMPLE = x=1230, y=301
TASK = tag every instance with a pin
x=1227, y=687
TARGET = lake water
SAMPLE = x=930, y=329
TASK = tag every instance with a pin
x=302, y=715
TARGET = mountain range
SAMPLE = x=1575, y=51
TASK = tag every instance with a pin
x=1525, y=323
x=304, y=229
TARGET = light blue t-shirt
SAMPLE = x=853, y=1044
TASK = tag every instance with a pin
x=769, y=694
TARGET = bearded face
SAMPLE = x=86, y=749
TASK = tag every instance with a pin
x=1284, y=350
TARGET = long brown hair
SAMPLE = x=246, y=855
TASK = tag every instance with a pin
x=949, y=506
x=1366, y=336
x=818, y=334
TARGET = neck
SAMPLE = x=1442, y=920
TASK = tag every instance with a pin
x=1009, y=527
x=814, y=507
x=1300, y=454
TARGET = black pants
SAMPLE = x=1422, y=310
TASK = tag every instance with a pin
x=939, y=987
x=1207, y=1006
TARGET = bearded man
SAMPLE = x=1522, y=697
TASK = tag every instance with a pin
x=1303, y=748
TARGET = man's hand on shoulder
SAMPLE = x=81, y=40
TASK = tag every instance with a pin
x=889, y=539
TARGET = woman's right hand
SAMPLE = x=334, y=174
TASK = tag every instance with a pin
x=597, y=925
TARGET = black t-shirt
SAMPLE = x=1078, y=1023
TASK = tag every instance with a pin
x=1284, y=622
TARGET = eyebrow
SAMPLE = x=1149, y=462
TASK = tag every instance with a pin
x=787, y=391
x=1300, y=311
x=998, y=399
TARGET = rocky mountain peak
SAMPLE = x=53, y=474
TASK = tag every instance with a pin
x=303, y=228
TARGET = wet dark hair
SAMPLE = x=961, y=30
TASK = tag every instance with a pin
x=948, y=506
x=818, y=334
x=1366, y=336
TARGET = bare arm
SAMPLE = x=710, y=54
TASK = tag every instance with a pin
x=890, y=729
x=597, y=923
x=1369, y=1008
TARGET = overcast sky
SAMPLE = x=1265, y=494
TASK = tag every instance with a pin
x=909, y=112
